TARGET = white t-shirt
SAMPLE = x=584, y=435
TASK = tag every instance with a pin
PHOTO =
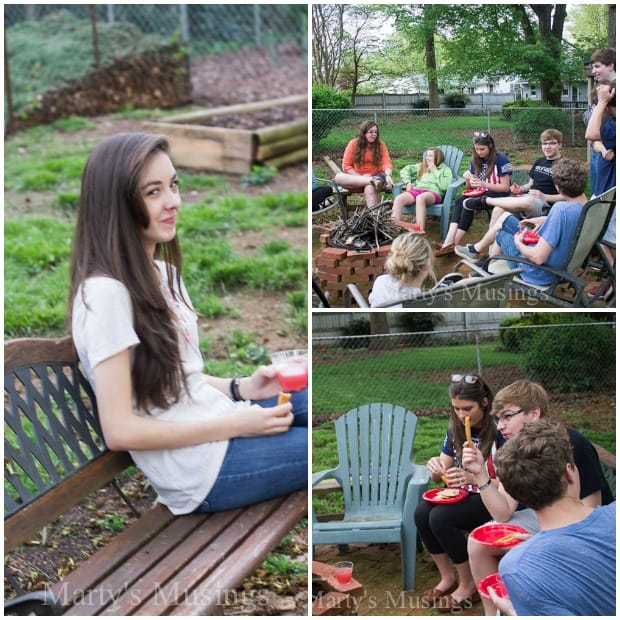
x=104, y=327
x=387, y=288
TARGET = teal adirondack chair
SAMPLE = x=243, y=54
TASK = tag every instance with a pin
x=380, y=483
x=454, y=157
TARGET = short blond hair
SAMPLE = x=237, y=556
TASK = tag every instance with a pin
x=526, y=395
x=551, y=134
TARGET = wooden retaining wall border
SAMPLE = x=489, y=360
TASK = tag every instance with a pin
x=235, y=151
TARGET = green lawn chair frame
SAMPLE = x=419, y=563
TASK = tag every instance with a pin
x=380, y=483
x=454, y=157
x=590, y=228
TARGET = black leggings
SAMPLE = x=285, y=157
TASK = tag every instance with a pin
x=465, y=217
x=441, y=526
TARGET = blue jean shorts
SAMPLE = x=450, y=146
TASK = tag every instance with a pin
x=505, y=238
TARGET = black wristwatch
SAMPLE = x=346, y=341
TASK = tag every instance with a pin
x=235, y=382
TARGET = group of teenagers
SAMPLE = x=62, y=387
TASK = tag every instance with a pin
x=520, y=468
x=549, y=204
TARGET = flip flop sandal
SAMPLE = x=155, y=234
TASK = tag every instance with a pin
x=448, y=604
x=449, y=249
x=430, y=596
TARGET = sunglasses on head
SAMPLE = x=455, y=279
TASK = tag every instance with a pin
x=481, y=134
x=471, y=379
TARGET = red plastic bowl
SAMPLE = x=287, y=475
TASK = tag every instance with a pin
x=473, y=193
x=530, y=237
x=494, y=581
x=431, y=496
x=491, y=533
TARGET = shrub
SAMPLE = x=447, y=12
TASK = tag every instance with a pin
x=357, y=327
x=563, y=359
x=456, y=100
x=509, y=107
x=513, y=331
x=328, y=109
x=529, y=123
x=420, y=107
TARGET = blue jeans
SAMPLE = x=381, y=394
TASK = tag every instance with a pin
x=259, y=468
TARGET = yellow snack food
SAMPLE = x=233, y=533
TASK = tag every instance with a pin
x=468, y=431
x=283, y=397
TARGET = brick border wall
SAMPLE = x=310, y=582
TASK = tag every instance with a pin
x=338, y=267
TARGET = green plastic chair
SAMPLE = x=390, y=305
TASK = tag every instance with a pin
x=380, y=483
x=454, y=157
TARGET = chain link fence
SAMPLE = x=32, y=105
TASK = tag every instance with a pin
x=411, y=362
x=110, y=31
x=407, y=133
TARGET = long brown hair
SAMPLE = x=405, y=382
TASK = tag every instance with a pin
x=107, y=242
x=363, y=145
x=477, y=391
x=486, y=140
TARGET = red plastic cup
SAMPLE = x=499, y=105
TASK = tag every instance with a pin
x=291, y=368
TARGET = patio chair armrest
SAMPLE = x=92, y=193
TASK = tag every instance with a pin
x=352, y=293
x=319, y=476
x=561, y=273
x=451, y=191
x=397, y=188
x=417, y=485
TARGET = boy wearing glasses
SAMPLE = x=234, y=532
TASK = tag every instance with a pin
x=533, y=199
x=514, y=407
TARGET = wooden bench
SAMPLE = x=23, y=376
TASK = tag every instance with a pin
x=55, y=457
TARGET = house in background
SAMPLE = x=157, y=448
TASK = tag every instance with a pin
x=405, y=93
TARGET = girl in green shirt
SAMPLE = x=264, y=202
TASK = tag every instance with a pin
x=433, y=178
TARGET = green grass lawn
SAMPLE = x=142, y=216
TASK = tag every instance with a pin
x=43, y=169
x=414, y=134
x=401, y=374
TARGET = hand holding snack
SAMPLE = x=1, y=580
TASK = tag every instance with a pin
x=436, y=468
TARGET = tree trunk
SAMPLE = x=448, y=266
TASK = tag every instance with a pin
x=379, y=326
x=551, y=18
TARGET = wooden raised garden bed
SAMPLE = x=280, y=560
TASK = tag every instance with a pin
x=234, y=138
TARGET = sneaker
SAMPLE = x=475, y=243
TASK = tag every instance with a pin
x=603, y=291
x=479, y=203
x=467, y=251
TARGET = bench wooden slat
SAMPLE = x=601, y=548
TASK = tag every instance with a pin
x=25, y=524
x=254, y=548
x=179, y=550
x=203, y=563
x=108, y=558
x=30, y=351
